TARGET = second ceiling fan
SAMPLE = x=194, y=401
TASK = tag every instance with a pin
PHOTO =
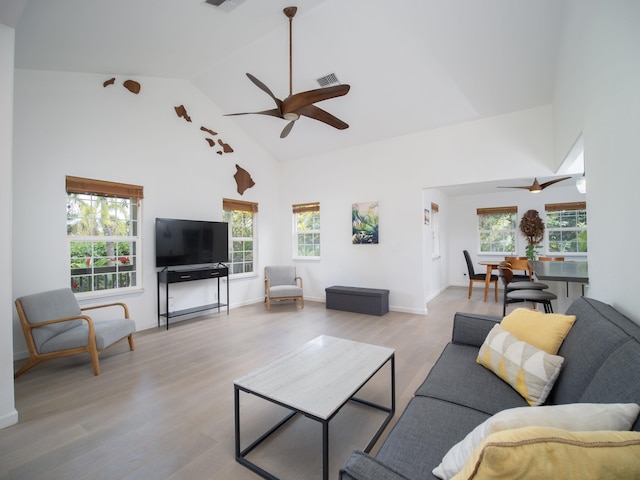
x=300, y=104
x=537, y=187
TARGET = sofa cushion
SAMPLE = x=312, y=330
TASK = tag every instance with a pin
x=573, y=417
x=597, y=332
x=51, y=305
x=424, y=433
x=471, y=328
x=618, y=379
x=529, y=370
x=457, y=378
x=532, y=453
x=106, y=332
x=545, y=331
x=279, y=291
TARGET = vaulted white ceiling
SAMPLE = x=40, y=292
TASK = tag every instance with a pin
x=413, y=65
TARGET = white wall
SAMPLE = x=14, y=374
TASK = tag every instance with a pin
x=69, y=124
x=597, y=93
x=395, y=173
x=8, y=413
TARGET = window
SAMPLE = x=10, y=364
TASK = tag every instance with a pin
x=435, y=230
x=567, y=227
x=103, y=233
x=497, y=229
x=241, y=217
x=306, y=230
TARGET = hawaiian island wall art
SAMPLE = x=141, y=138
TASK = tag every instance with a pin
x=365, y=223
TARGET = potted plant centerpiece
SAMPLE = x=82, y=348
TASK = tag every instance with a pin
x=532, y=227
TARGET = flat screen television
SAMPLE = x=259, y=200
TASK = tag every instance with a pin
x=190, y=242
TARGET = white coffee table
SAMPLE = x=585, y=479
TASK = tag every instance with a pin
x=315, y=380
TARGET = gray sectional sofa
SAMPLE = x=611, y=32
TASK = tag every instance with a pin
x=602, y=365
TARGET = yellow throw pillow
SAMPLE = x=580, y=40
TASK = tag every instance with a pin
x=529, y=370
x=575, y=417
x=532, y=453
x=543, y=330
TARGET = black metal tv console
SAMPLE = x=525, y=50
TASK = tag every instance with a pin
x=176, y=276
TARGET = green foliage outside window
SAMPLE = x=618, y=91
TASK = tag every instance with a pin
x=102, y=235
x=242, y=240
x=497, y=232
x=308, y=234
x=567, y=231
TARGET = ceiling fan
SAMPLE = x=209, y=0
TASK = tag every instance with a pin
x=300, y=104
x=538, y=187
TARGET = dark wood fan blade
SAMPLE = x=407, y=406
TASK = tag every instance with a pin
x=287, y=129
x=302, y=99
x=274, y=113
x=551, y=182
x=316, y=113
x=265, y=89
x=537, y=187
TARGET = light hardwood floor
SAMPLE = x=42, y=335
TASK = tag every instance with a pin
x=165, y=411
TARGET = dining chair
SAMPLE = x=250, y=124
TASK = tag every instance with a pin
x=478, y=277
x=523, y=291
x=521, y=265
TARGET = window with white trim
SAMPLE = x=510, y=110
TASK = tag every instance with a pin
x=435, y=230
x=306, y=230
x=104, y=235
x=566, y=228
x=497, y=230
x=241, y=217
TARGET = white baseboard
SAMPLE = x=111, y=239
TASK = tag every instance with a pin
x=9, y=419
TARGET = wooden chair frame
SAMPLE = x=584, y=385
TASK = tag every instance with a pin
x=91, y=348
x=520, y=264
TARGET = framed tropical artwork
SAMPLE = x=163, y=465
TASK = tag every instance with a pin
x=365, y=223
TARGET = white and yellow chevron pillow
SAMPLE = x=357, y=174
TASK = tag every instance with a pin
x=529, y=370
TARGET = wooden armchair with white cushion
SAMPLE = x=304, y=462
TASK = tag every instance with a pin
x=282, y=283
x=55, y=326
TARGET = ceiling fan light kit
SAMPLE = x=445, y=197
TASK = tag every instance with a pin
x=300, y=104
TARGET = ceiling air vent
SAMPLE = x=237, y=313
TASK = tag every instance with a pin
x=224, y=5
x=328, y=80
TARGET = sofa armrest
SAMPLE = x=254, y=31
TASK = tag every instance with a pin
x=361, y=466
x=472, y=328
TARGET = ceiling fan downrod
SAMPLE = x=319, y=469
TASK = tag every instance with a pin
x=290, y=12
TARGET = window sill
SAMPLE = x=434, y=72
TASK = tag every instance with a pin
x=242, y=276
x=102, y=294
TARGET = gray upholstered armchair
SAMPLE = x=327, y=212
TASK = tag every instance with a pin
x=281, y=283
x=54, y=326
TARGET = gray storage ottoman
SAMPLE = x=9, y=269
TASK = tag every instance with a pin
x=372, y=301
